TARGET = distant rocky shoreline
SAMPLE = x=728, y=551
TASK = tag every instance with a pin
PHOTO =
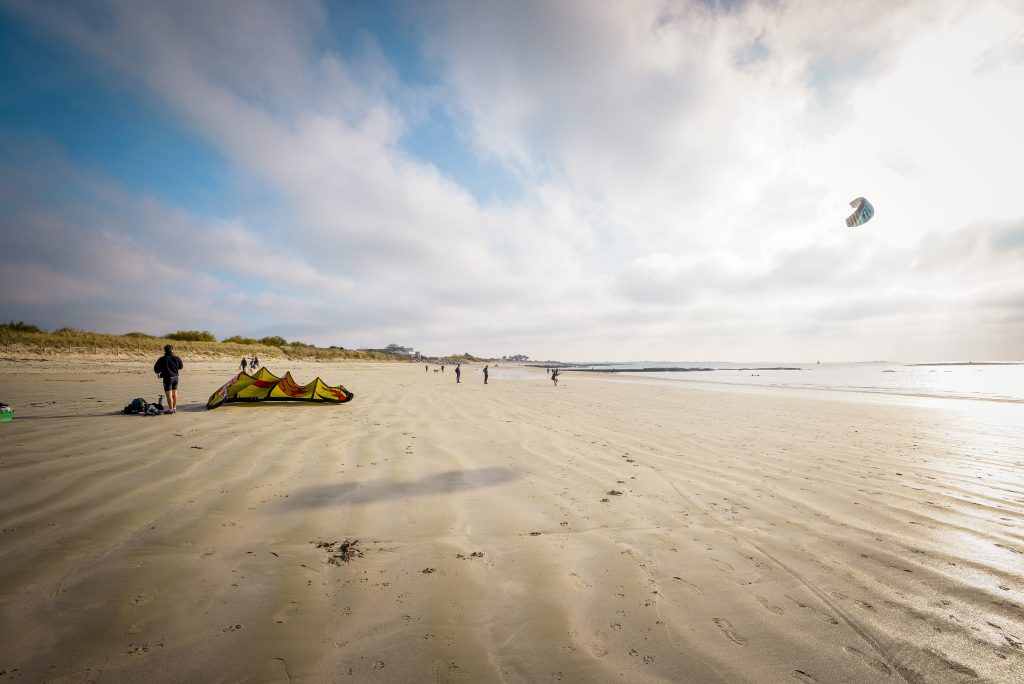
x=969, y=363
x=680, y=369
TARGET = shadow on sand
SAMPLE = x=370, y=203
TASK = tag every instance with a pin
x=19, y=419
x=379, y=490
x=287, y=404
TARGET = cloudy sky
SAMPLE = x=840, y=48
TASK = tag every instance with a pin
x=636, y=180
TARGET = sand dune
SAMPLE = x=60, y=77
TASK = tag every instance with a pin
x=606, y=530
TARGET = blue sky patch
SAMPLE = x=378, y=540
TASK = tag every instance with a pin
x=111, y=129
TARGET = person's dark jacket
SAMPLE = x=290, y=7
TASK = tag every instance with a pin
x=168, y=365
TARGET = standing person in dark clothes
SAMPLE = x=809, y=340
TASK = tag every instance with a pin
x=244, y=364
x=458, y=373
x=168, y=367
x=485, y=375
x=255, y=361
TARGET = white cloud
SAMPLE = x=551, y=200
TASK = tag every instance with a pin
x=686, y=175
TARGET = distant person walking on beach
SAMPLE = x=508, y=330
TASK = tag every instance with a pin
x=168, y=367
x=442, y=368
x=554, y=376
x=485, y=375
x=458, y=373
x=426, y=368
x=255, y=362
x=244, y=364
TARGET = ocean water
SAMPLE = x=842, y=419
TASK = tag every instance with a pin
x=989, y=382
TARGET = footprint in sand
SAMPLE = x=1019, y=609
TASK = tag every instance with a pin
x=727, y=630
x=1013, y=640
x=723, y=566
x=599, y=646
x=285, y=613
x=143, y=649
x=1009, y=548
x=284, y=667
x=950, y=664
x=872, y=662
x=707, y=547
x=769, y=606
x=689, y=585
x=441, y=671
x=825, y=616
x=579, y=582
x=79, y=677
x=799, y=604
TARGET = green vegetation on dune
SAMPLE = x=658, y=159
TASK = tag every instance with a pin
x=466, y=358
x=192, y=336
x=20, y=326
x=238, y=339
x=24, y=338
x=273, y=341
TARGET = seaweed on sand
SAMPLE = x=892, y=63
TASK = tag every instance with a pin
x=340, y=551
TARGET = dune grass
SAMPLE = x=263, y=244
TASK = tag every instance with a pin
x=19, y=340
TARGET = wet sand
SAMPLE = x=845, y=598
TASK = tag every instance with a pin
x=601, y=531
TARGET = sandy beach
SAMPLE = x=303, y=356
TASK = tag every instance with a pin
x=606, y=530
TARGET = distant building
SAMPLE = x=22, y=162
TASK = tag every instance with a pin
x=516, y=357
x=395, y=349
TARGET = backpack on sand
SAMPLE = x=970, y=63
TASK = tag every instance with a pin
x=137, y=405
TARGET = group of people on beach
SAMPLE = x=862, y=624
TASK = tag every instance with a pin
x=458, y=371
x=552, y=372
x=169, y=367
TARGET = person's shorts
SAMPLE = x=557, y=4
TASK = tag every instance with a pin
x=170, y=383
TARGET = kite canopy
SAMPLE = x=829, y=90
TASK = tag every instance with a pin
x=265, y=386
x=862, y=212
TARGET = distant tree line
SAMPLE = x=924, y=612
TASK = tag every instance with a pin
x=20, y=326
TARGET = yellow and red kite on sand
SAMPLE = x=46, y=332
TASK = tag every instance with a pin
x=265, y=386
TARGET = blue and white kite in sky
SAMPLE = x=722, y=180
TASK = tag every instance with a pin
x=862, y=212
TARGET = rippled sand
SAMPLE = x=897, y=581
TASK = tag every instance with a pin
x=606, y=530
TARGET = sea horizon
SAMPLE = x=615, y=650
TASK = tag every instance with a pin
x=991, y=381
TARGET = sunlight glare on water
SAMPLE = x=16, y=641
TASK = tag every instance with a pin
x=995, y=382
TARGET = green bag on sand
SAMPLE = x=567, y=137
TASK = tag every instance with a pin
x=137, y=406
